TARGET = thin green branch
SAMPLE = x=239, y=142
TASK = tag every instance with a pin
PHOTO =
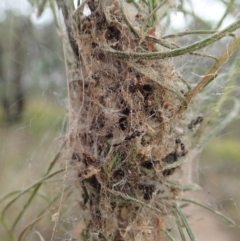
x=184, y=81
x=4, y=197
x=52, y=6
x=143, y=27
x=25, y=206
x=127, y=21
x=20, y=191
x=46, y=176
x=162, y=42
x=169, y=45
x=226, y=96
x=204, y=55
x=37, y=186
x=7, y=228
x=79, y=9
x=168, y=235
x=66, y=15
x=211, y=209
x=28, y=188
x=212, y=73
x=22, y=234
x=144, y=1
x=173, y=53
x=182, y=216
x=53, y=162
x=228, y=9
x=105, y=11
x=43, y=213
x=179, y=225
x=195, y=32
x=137, y=6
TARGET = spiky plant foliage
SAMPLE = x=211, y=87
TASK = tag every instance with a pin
x=128, y=135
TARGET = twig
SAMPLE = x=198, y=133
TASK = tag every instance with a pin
x=179, y=225
x=42, y=214
x=226, y=13
x=52, y=6
x=71, y=39
x=28, y=188
x=212, y=73
x=195, y=32
x=104, y=9
x=31, y=224
x=151, y=14
x=169, y=45
x=177, y=52
x=127, y=21
x=79, y=9
x=137, y=6
x=211, y=209
x=189, y=231
x=184, y=81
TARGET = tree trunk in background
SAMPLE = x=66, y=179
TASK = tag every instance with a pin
x=13, y=52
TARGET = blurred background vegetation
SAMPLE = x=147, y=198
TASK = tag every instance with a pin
x=33, y=109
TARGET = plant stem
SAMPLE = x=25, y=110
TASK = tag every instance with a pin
x=127, y=21
x=180, y=213
x=143, y=27
x=210, y=209
x=195, y=32
x=212, y=73
x=177, y=52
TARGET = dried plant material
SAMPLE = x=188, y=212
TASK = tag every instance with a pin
x=150, y=41
x=124, y=128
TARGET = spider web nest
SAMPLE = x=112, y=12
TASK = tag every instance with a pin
x=127, y=139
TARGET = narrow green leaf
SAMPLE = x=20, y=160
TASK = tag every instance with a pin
x=184, y=220
x=179, y=225
x=211, y=209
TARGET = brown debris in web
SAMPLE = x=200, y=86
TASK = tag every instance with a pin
x=124, y=127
